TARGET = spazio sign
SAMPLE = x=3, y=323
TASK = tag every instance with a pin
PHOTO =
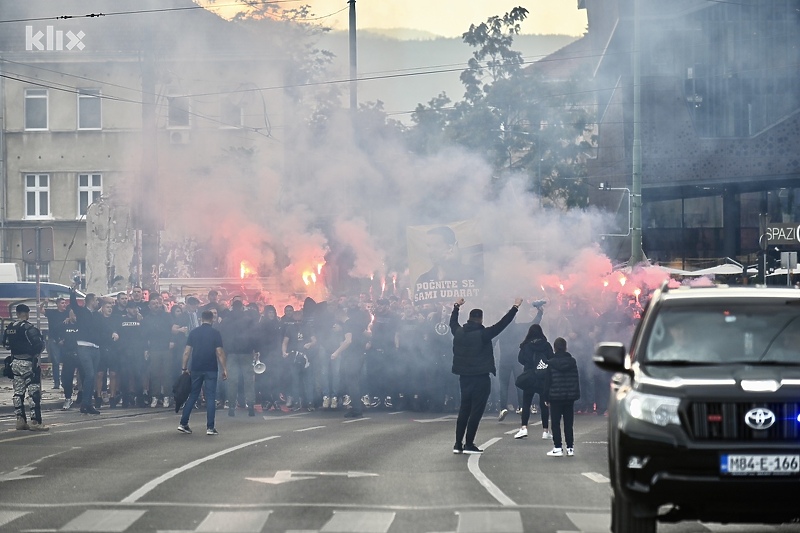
x=785, y=234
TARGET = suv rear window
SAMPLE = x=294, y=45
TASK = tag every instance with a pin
x=745, y=333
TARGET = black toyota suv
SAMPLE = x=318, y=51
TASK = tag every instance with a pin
x=704, y=416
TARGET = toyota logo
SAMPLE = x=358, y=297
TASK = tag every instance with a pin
x=759, y=418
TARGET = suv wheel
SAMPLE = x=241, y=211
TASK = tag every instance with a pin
x=624, y=521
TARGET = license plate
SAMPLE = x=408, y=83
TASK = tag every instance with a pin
x=759, y=465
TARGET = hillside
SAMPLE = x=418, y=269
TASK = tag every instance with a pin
x=396, y=63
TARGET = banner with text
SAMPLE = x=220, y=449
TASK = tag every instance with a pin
x=445, y=261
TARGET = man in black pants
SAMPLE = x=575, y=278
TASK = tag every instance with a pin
x=473, y=361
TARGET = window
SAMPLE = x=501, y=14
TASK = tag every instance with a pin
x=90, y=188
x=44, y=271
x=89, y=109
x=37, y=196
x=35, y=109
x=230, y=114
x=178, y=112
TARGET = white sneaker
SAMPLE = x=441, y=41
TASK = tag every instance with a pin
x=570, y=452
x=166, y=401
x=326, y=402
x=67, y=404
x=503, y=413
x=154, y=402
x=346, y=400
x=289, y=401
x=546, y=435
x=556, y=452
x=522, y=433
x=334, y=402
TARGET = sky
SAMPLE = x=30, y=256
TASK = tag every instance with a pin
x=448, y=18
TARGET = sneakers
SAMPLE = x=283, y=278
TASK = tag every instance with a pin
x=534, y=410
x=89, y=411
x=184, y=429
x=472, y=449
x=166, y=401
x=503, y=414
x=67, y=404
x=375, y=402
x=388, y=402
x=334, y=402
x=519, y=411
x=326, y=402
x=212, y=431
x=37, y=426
x=346, y=400
x=458, y=448
x=546, y=435
x=289, y=402
x=556, y=452
x=154, y=402
x=22, y=424
x=522, y=433
x=570, y=452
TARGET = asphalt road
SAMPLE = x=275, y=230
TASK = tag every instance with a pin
x=304, y=472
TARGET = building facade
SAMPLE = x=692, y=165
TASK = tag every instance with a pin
x=105, y=118
x=720, y=121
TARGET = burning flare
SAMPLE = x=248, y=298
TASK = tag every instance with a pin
x=246, y=270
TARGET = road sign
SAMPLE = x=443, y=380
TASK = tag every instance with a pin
x=37, y=245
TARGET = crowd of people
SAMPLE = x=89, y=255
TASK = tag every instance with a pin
x=343, y=353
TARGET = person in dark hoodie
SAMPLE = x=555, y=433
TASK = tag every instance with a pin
x=562, y=389
x=473, y=361
x=88, y=339
x=534, y=354
x=238, y=335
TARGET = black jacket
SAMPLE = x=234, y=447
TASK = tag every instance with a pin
x=472, y=344
x=532, y=352
x=562, y=383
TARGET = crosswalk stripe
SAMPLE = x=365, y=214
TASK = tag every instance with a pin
x=10, y=516
x=591, y=522
x=358, y=522
x=489, y=522
x=233, y=522
x=105, y=520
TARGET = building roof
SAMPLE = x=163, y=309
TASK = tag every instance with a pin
x=568, y=62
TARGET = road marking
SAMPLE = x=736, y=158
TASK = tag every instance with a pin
x=355, y=420
x=9, y=516
x=494, y=490
x=591, y=522
x=597, y=478
x=447, y=418
x=106, y=520
x=489, y=522
x=147, y=487
x=308, y=429
x=25, y=437
x=234, y=521
x=396, y=413
x=358, y=522
x=117, y=424
x=18, y=474
x=282, y=476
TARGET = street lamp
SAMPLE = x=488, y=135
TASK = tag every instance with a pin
x=630, y=210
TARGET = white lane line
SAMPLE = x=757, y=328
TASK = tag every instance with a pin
x=358, y=522
x=147, y=487
x=77, y=429
x=308, y=429
x=105, y=520
x=356, y=420
x=448, y=418
x=591, y=522
x=10, y=516
x=117, y=424
x=234, y=521
x=25, y=437
x=597, y=478
x=474, y=468
x=396, y=413
x=489, y=522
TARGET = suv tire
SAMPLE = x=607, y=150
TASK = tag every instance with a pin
x=624, y=521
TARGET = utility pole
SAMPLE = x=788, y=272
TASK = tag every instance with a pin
x=637, y=254
x=353, y=59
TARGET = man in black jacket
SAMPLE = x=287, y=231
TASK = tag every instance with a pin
x=562, y=389
x=473, y=361
x=88, y=339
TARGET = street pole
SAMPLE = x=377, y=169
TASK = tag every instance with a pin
x=353, y=59
x=637, y=254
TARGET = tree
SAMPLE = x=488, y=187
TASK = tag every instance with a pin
x=520, y=121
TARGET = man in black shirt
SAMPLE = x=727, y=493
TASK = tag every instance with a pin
x=88, y=345
x=132, y=346
x=56, y=319
x=157, y=329
x=204, y=347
